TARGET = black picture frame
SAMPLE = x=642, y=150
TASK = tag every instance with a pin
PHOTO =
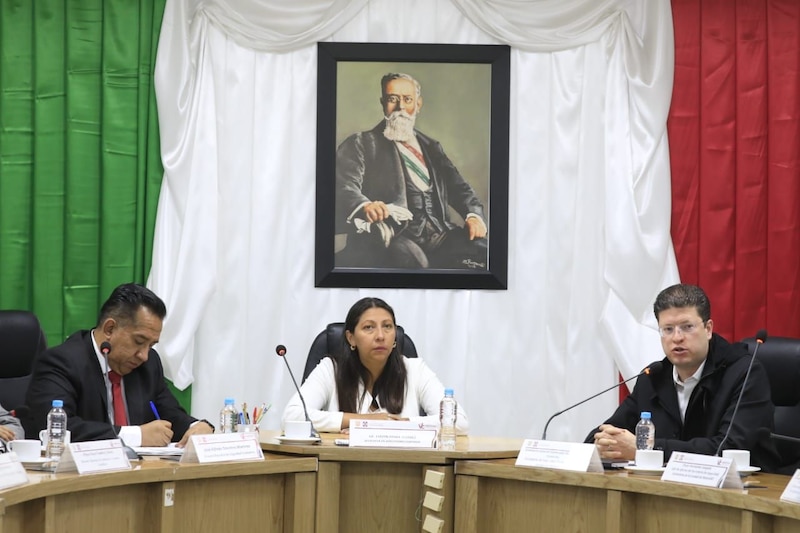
x=460, y=79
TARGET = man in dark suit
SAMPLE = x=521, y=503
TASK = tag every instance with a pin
x=108, y=376
x=692, y=400
x=394, y=189
x=10, y=428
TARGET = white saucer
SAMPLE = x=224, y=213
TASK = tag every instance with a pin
x=36, y=462
x=643, y=470
x=747, y=470
x=298, y=441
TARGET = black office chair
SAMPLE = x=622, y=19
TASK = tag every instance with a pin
x=780, y=356
x=21, y=340
x=329, y=341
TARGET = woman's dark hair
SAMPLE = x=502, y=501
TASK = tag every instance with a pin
x=390, y=387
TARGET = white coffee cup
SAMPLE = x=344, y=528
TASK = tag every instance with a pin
x=649, y=458
x=26, y=450
x=297, y=429
x=740, y=457
x=43, y=437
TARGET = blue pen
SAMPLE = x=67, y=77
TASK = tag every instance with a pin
x=155, y=411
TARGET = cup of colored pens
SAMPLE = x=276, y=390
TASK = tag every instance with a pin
x=249, y=424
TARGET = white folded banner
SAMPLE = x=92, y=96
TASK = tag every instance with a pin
x=702, y=470
x=575, y=456
x=222, y=447
x=92, y=457
x=392, y=434
x=11, y=471
x=792, y=491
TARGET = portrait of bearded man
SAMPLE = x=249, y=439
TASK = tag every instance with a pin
x=395, y=187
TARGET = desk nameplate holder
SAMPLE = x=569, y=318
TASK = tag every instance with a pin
x=392, y=434
x=92, y=457
x=574, y=456
x=702, y=470
x=12, y=473
x=792, y=491
x=222, y=447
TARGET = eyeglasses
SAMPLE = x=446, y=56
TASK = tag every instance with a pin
x=685, y=329
x=395, y=99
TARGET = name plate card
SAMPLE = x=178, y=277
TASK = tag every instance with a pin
x=792, y=491
x=94, y=457
x=222, y=447
x=575, y=456
x=392, y=434
x=11, y=471
x=702, y=470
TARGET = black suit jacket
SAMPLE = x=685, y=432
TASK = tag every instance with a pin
x=72, y=373
x=369, y=168
x=710, y=408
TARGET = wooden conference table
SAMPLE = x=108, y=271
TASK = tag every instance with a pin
x=382, y=489
x=327, y=488
x=161, y=496
x=498, y=496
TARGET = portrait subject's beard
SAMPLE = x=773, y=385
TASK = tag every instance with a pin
x=400, y=126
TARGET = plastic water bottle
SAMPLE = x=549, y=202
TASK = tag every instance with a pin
x=228, y=417
x=448, y=411
x=645, y=432
x=56, y=430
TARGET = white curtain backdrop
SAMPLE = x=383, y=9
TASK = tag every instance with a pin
x=589, y=244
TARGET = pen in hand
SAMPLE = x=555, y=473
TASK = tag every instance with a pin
x=155, y=411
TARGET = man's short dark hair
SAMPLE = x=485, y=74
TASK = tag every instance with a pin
x=683, y=295
x=125, y=301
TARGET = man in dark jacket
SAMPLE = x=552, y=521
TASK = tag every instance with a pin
x=10, y=428
x=693, y=397
x=111, y=379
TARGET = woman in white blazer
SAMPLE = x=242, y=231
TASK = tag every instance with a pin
x=369, y=378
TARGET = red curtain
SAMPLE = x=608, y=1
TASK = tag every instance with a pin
x=734, y=133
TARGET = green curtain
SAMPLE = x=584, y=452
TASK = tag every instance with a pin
x=80, y=169
x=80, y=166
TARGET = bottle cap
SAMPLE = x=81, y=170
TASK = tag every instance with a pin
x=646, y=415
x=229, y=401
x=58, y=403
x=448, y=392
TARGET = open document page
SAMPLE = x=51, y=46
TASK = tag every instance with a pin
x=170, y=449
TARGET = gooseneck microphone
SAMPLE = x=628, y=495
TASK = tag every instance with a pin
x=281, y=351
x=105, y=349
x=761, y=336
x=785, y=438
x=766, y=433
x=649, y=371
x=20, y=412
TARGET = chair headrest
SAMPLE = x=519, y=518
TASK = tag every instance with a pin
x=21, y=340
x=780, y=356
x=329, y=341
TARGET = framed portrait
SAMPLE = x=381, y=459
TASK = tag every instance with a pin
x=412, y=166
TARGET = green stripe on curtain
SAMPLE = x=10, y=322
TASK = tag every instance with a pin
x=80, y=168
x=16, y=140
x=84, y=180
x=46, y=246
